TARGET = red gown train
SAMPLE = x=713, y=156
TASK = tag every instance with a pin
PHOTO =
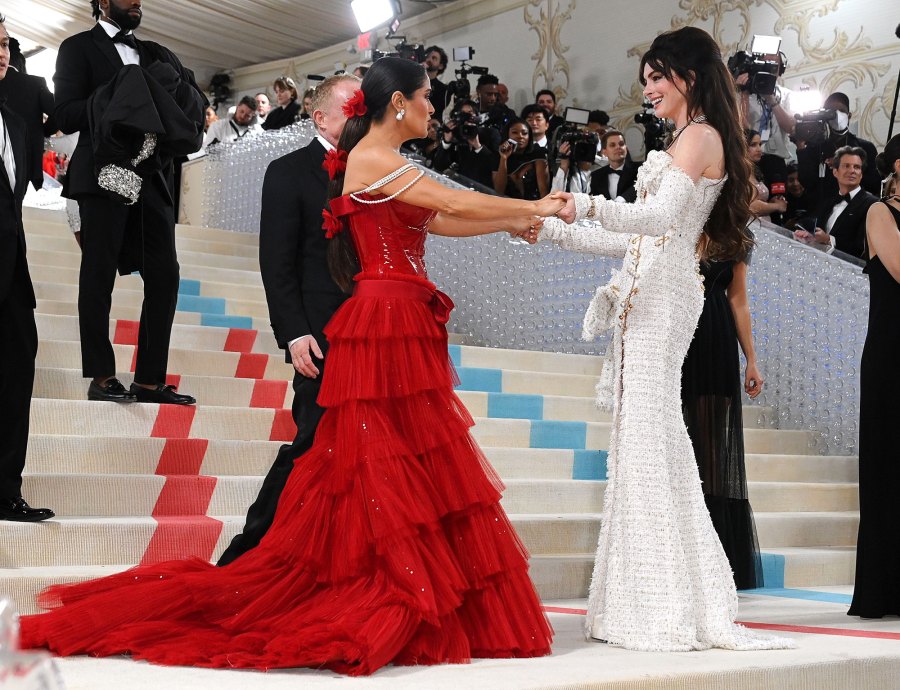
x=389, y=544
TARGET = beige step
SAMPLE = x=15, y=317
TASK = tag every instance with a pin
x=69, y=259
x=803, y=468
x=806, y=529
x=63, y=243
x=803, y=496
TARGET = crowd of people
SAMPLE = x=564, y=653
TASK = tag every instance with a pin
x=418, y=562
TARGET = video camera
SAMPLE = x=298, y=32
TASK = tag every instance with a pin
x=582, y=143
x=466, y=127
x=460, y=88
x=762, y=73
x=409, y=51
x=814, y=127
x=655, y=129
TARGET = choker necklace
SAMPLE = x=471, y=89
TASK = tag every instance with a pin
x=695, y=121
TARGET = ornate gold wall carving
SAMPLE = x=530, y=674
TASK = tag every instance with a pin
x=550, y=60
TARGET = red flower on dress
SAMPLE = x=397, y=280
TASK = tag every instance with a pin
x=335, y=162
x=332, y=225
x=355, y=105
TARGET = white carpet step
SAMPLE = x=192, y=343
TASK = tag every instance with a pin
x=66, y=243
x=133, y=313
x=531, y=360
x=818, y=567
x=69, y=259
x=134, y=494
x=803, y=468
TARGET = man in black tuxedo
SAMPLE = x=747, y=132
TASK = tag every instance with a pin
x=617, y=179
x=29, y=97
x=113, y=235
x=841, y=220
x=301, y=294
x=18, y=334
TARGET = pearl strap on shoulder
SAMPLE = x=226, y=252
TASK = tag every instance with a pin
x=387, y=179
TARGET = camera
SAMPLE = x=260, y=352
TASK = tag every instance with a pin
x=582, y=144
x=655, y=129
x=762, y=73
x=409, y=51
x=466, y=127
x=815, y=126
x=460, y=88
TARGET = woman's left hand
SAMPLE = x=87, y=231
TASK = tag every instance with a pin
x=753, y=381
x=567, y=213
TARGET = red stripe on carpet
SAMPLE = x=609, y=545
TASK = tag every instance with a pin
x=283, y=427
x=183, y=537
x=182, y=495
x=807, y=629
x=173, y=421
x=268, y=393
x=173, y=380
x=126, y=332
x=240, y=340
x=182, y=456
x=252, y=365
x=133, y=359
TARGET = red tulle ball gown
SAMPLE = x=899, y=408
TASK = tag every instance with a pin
x=389, y=544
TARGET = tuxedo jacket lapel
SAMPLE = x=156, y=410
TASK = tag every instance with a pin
x=17, y=139
x=317, y=156
x=106, y=46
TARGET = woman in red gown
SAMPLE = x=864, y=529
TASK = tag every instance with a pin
x=389, y=544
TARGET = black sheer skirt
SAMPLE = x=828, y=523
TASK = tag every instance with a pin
x=711, y=401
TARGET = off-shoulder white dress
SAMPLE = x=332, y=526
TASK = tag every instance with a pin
x=661, y=580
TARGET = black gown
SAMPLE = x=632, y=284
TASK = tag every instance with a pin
x=877, y=590
x=711, y=401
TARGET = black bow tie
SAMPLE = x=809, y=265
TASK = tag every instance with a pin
x=844, y=197
x=126, y=39
x=613, y=172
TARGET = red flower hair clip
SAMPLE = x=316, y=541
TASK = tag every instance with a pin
x=335, y=162
x=355, y=105
x=331, y=225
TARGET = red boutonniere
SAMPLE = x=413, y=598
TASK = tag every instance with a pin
x=332, y=225
x=335, y=162
x=356, y=105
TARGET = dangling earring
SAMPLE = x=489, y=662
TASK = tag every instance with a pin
x=401, y=113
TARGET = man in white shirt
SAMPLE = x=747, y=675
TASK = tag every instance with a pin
x=841, y=222
x=770, y=115
x=240, y=124
x=538, y=120
x=616, y=180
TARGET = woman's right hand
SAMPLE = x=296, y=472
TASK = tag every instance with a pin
x=506, y=149
x=780, y=203
x=550, y=205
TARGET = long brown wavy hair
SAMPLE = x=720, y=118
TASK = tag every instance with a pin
x=387, y=76
x=692, y=54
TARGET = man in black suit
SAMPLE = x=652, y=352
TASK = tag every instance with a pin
x=435, y=64
x=18, y=334
x=841, y=220
x=114, y=235
x=300, y=292
x=617, y=179
x=29, y=97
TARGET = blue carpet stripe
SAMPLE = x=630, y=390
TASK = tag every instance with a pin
x=551, y=434
x=589, y=464
x=204, y=305
x=515, y=406
x=773, y=570
x=808, y=595
x=484, y=380
x=189, y=287
x=455, y=355
x=226, y=321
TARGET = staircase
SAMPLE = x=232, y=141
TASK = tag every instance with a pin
x=141, y=482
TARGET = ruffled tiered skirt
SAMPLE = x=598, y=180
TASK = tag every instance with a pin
x=389, y=544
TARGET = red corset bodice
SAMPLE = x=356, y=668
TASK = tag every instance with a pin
x=389, y=236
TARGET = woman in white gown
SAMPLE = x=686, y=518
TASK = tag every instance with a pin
x=661, y=579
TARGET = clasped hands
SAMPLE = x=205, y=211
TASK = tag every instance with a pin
x=559, y=204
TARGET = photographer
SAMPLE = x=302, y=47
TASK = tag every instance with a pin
x=814, y=157
x=547, y=100
x=461, y=149
x=435, y=63
x=765, y=106
x=841, y=218
x=521, y=170
x=616, y=180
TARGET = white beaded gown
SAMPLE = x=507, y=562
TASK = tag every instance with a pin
x=661, y=580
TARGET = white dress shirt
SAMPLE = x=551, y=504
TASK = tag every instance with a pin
x=128, y=54
x=6, y=151
x=838, y=210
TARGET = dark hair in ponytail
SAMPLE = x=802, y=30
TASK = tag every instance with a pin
x=387, y=76
x=692, y=54
x=95, y=9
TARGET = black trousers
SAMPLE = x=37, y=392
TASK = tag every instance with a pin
x=306, y=413
x=106, y=227
x=18, y=348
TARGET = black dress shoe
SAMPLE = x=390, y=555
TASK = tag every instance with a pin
x=111, y=391
x=17, y=510
x=162, y=394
